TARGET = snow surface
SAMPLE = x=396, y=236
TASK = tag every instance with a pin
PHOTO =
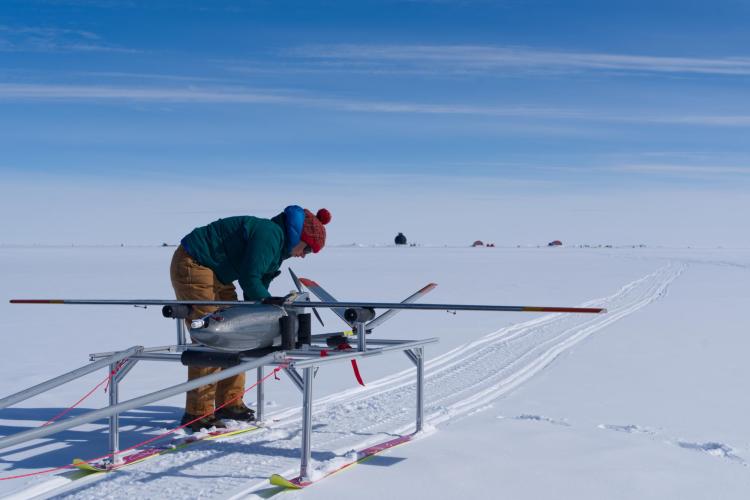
x=646, y=401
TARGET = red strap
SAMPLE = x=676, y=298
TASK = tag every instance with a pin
x=356, y=373
x=344, y=346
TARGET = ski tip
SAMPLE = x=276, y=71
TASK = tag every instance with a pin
x=278, y=480
x=85, y=466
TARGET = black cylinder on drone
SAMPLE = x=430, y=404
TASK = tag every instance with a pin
x=177, y=311
x=288, y=333
x=304, y=330
x=359, y=314
x=210, y=359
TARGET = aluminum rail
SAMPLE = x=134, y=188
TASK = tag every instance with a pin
x=112, y=358
x=343, y=355
x=174, y=348
x=384, y=342
x=336, y=305
x=92, y=416
x=169, y=348
x=155, y=356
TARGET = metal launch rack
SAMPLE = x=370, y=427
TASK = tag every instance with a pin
x=242, y=338
x=299, y=362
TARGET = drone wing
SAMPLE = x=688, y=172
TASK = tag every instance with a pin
x=326, y=302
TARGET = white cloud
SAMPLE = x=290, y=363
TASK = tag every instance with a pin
x=679, y=169
x=457, y=59
x=718, y=120
x=100, y=92
x=239, y=95
x=44, y=39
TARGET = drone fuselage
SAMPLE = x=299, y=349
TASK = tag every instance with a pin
x=242, y=328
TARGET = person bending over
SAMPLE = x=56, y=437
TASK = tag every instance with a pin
x=205, y=266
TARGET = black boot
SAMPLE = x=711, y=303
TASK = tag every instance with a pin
x=202, y=423
x=241, y=413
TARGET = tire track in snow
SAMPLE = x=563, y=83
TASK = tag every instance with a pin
x=458, y=382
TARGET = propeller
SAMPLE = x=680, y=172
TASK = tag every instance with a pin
x=299, y=289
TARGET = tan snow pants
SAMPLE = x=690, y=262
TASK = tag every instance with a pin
x=192, y=281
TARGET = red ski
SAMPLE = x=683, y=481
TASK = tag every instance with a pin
x=298, y=483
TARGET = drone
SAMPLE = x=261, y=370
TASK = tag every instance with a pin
x=242, y=326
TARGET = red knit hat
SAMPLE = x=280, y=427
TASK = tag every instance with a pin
x=313, y=230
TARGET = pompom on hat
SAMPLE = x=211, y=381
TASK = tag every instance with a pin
x=313, y=230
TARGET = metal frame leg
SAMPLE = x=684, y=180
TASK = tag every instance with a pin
x=306, y=424
x=260, y=403
x=181, y=339
x=114, y=420
x=416, y=356
x=361, y=337
x=420, y=388
x=114, y=396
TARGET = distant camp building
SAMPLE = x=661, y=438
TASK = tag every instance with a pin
x=478, y=243
x=400, y=239
x=556, y=243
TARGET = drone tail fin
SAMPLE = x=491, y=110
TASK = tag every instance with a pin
x=324, y=296
x=392, y=312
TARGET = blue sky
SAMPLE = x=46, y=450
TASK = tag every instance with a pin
x=584, y=100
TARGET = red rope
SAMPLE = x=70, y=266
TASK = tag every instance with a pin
x=147, y=441
x=108, y=379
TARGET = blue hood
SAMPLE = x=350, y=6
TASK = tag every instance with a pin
x=295, y=220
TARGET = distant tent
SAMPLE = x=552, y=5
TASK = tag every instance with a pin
x=556, y=243
x=477, y=243
x=400, y=239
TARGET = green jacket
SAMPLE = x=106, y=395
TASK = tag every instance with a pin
x=243, y=248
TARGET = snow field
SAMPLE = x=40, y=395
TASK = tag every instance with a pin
x=497, y=382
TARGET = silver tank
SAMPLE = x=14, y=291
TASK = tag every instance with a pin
x=239, y=328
